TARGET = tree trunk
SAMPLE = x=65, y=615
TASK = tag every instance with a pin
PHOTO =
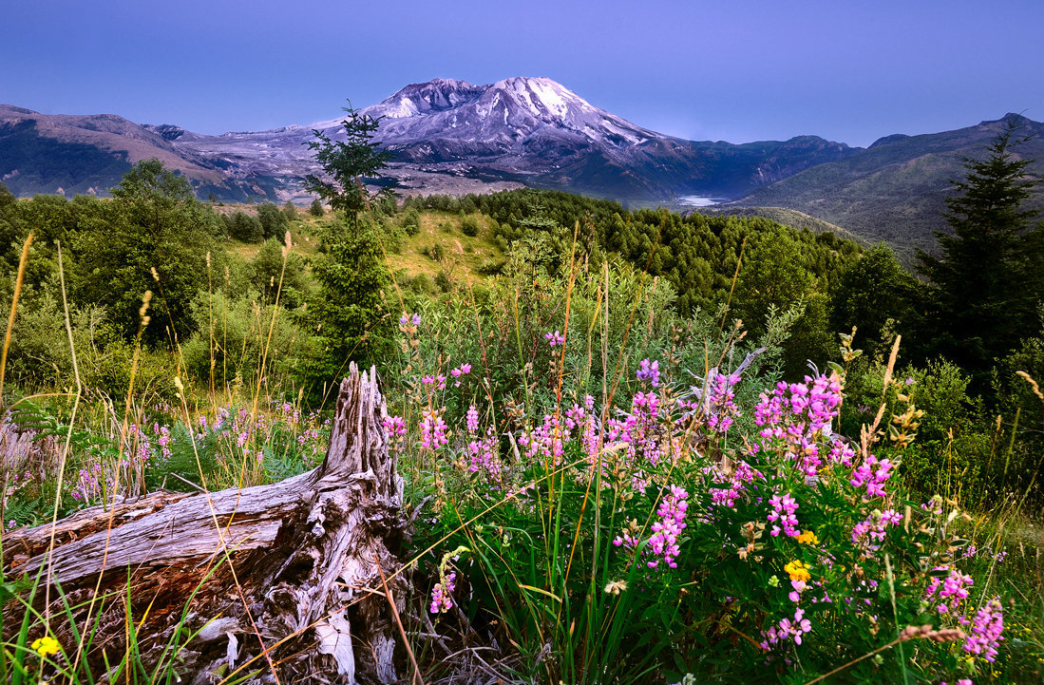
x=291, y=568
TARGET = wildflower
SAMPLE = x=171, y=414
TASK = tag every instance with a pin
x=722, y=402
x=462, y=370
x=951, y=590
x=472, y=419
x=808, y=538
x=986, y=631
x=394, y=426
x=441, y=597
x=615, y=587
x=649, y=371
x=787, y=630
x=45, y=646
x=554, y=339
x=873, y=474
x=783, y=509
x=798, y=571
x=416, y=320
x=664, y=540
x=433, y=429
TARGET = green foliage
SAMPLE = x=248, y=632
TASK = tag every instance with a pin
x=987, y=284
x=274, y=223
x=243, y=338
x=873, y=293
x=316, y=208
x=290, y=211
x=270, y=274
x=347, y=311
x=469, y=226
x=411, y=221
x=347, y=164
x=155, y=228
x=244, y=227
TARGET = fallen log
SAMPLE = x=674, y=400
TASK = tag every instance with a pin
x=281, y=582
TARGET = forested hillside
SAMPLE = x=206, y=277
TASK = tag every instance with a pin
x=562, y=371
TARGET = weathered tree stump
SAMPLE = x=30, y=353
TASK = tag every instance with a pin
x=291, y=568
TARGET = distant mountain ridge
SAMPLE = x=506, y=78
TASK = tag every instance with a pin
x=896, y=189
x=526, y=130
x=452, y=136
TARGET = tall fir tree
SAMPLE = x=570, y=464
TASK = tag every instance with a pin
x=351, y=271
x=986, y=283
x=348, y=164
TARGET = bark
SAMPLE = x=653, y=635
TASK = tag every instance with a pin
x=215, y=579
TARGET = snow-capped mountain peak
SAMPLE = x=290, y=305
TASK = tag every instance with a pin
x=506, y=114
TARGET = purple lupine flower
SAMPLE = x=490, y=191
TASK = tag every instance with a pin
x=722, y=402
x=649, y=371
x=472, y=418
x=787, y=630
x=441, y=597
x=394, y=426
x=433, y=429
x=783, y=509
x=554, y=339
x=664, y=540
x=986, y=630
x=462, y=370
x=872, y=473
x=950, y=591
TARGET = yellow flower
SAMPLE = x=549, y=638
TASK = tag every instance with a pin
x=808, y=538
x=45, y=646
x=798, y=571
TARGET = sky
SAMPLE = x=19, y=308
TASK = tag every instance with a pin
x=734, y=70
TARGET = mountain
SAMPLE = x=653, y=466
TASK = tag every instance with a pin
x=88, y=154
x=526, y=130
x=896, y=189
x=451, y=136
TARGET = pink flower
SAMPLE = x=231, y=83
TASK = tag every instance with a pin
x=441, y=598
x=986, y=631
x=554, y=339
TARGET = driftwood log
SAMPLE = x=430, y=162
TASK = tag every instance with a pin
x=279, y=582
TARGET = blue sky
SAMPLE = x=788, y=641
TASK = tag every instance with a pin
x=736, y=70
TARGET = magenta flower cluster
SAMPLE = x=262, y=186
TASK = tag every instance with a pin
x=663, y=544
x=722, y=402
x=442, y=597
x=948, y=591
x=649, y=372
x=462, y=370
x=873, y=474
x=554, y=339
x=871, y=533
x=787, y=629
x=986, y=630
x=782, y=514
x=433, y=429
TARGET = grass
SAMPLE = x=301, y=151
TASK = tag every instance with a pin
x=534, y=552
x=462, y=254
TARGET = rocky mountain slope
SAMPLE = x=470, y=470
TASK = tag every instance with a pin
x=452, y=136
x=524, y=130
x=896, y=189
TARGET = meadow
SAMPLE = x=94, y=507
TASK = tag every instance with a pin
x=602, y=486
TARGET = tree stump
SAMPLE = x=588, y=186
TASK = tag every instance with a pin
x=292, y=568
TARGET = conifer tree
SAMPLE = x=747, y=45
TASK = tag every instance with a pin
x=347, y=164
x=350, y=270
x=986, y=284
